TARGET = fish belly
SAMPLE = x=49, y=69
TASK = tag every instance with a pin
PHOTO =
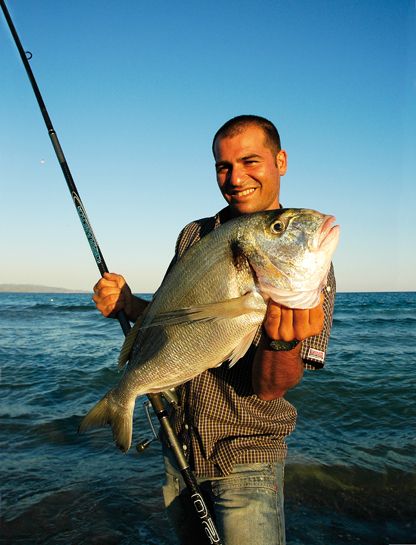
x=178, y=353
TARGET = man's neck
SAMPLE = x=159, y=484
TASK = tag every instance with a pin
x=227, y=214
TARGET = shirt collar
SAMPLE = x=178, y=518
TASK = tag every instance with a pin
x=225, y=214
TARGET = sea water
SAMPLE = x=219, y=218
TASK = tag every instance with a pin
x=350, y=472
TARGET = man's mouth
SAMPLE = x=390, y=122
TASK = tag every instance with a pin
x=244, y=193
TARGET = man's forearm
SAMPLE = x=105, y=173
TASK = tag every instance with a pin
x=275, y=372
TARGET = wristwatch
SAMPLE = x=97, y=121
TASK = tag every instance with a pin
x=283, y=345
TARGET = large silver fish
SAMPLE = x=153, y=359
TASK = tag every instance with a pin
x=212, y=302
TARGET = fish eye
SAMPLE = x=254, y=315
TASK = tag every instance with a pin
x=277, y=227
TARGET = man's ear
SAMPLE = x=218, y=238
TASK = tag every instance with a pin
x=281, y=162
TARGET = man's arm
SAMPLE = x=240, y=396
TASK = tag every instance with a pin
x=275, y=372
x=112, y=294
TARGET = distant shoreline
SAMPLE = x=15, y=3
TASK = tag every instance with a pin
x=33, y=288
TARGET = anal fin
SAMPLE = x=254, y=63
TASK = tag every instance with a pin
x=240, y=350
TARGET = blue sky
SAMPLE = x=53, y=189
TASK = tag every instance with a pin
x=136, y=91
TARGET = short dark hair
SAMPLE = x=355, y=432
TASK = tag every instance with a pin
x=237, y=124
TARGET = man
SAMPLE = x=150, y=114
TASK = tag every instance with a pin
x=233, y=422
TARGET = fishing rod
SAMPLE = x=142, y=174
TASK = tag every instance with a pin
x=200, y=507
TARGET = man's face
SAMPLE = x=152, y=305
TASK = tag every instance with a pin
x=248, y=172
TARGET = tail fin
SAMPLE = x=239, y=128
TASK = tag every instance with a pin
x=120, y=418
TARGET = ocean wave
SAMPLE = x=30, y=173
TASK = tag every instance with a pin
x=57, y=306
x=350, y=468
x=354, y=490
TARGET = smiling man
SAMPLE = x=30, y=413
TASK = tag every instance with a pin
x=249, y=164
x=233, y=422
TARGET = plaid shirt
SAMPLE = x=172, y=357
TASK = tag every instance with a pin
x=220, y=420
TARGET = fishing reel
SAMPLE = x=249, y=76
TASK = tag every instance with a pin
x=171, y=400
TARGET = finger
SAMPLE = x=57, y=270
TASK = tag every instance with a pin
x=316, y=320
x=106, y=299
x=301, y=325
x=96, y=287
x=104, y=283
x=108, y=291
x=286, y=332
x=118, y=279
x=274, y=310
x=109, y=279
x=101, y=284
x=106, y=305
x=319, y=309
x=109, y=310
x=272, y=320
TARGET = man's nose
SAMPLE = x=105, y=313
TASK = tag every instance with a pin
x=236, y=175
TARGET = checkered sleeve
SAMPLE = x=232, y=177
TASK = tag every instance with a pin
x=314, y=348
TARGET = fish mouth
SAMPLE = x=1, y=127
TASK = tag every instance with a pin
x=328, y=233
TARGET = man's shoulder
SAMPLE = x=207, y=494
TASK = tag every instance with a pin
x=199, y=225
x=194, y=231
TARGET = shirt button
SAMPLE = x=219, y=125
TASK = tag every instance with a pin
x=184, y=447
x=328, y=289
x=186, y=427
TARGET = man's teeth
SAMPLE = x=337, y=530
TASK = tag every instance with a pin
x=245, y=192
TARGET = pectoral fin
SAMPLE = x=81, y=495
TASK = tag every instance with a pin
x=231, y=308
x=128, y=344
x=241, y=348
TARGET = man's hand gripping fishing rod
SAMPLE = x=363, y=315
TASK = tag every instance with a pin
x=200, y=507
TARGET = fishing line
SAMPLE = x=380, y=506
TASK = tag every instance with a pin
x=200, y=507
